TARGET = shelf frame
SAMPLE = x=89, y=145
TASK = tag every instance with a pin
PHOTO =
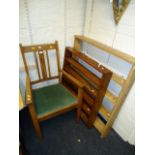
x=125, y=83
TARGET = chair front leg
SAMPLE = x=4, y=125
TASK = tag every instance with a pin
x=35, y=120
x=80, y=98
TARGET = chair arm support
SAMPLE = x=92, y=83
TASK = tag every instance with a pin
x=28, y=91
x=74, y=80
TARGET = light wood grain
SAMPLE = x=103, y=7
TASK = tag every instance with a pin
x=99, y=125
x=111, y=97
x=21, y=103
x=106, y=48
x=125, y=83
x=122, y=96
x=119, y=79
x=104, y=113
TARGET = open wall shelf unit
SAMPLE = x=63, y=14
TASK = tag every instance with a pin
x=94, y=86
x=106, y=118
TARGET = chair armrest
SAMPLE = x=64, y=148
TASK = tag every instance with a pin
x=28, y=91
x=74, y=80
x=80, y=92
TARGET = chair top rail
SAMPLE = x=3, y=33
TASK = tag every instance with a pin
x=39, y=47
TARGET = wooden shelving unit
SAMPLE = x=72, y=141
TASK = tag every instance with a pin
x=105, y=119
x=95, y=87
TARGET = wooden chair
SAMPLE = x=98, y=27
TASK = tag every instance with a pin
x=53, y=100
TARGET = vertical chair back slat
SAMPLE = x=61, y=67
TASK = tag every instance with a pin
x=37, y=65
x=48, y=63
x=58, y=59
x=43, y=65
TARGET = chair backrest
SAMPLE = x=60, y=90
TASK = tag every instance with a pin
x=41, y=58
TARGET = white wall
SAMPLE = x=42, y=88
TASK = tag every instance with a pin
x=44, y=21
x=100, y=25
x=48, y=20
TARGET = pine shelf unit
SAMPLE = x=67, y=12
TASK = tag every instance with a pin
x=105, y=119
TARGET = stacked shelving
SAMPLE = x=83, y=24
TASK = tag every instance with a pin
x=78, y=65
x=105, y=117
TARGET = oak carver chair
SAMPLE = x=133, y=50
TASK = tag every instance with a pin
x=52, y=100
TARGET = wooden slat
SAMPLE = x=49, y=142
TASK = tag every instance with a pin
x=28, y=91
x=48, y=63
x=99, y=125
x=69, y=88
x=42, y=80
x=107, y=49
x=36, y=61
x=84, y=71
x=43, y=65
x=86, y=109
x=22, y=69
x=88, y=99
x=80, y=101
x=90, y=89
x=126, y=83
x=73, y=79
x=104, y=113
x=119, y=79
x=88, y=60
x=102, y=92
x=111, y=97
x=21, y=103
x=77, y=44
x=125, y=89
x=40, y=47
x=58, y=59
x=92, y=85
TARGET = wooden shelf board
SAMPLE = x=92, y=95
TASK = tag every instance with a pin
x=99, y=125
x=111, y=97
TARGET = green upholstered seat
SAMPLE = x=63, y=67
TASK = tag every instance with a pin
x=52, y=98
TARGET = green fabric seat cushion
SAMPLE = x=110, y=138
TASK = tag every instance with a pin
x=51, y=98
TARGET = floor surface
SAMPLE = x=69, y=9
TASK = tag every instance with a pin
x=62, y=135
